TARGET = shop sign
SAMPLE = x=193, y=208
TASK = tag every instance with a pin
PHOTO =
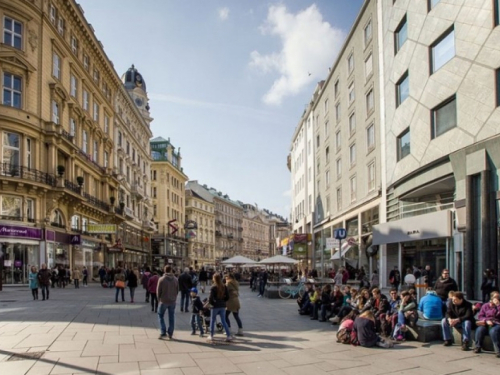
x=75, y=239
x=117, y=247
x=90, y=244
x=20, y=232
x=101, y=228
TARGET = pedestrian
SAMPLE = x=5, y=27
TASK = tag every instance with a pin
x=339, y=277
x=144, y=281
x=76, y=278
x=233, y=303
x=119, y=280
x=185, y=285
x=395, y=278
x=61, y=282
x=132, y=284
x=44, y=281
x=196, y=310
x=152, y=285
x=218, y=298
x=168, y=287
x=374, y=280
x=427, y=275
x=458, y=315
x=487, y=285
x=203, y=278
x=33, y=277
x=445, y=284
x=85, y=274
x=488, y=323
x=262, y=283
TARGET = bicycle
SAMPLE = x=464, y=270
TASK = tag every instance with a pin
x=291, y=291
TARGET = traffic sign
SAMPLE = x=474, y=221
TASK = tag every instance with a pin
x=332, y=243
x=340, y=233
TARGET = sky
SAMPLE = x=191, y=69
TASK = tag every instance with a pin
x=228, y=81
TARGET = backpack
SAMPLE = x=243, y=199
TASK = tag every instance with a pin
x=347, y=336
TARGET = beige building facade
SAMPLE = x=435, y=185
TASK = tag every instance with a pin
x=256, y=233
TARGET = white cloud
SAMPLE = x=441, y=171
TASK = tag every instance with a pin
x=309, y=46
x=224, y=13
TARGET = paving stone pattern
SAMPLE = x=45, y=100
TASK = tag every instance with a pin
x=84, y=331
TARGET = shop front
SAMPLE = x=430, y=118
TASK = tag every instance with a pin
x=90, y=255
x=20, y=249
x=418, y=241
x=58, y=248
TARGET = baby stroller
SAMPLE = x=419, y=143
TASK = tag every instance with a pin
x=205, y=318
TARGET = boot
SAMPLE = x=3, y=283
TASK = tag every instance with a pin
x=240, y=332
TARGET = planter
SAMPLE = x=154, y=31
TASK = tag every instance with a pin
x=112, y=200
x=80, y=181
x=60, y=170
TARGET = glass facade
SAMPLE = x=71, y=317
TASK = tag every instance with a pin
x=18, y=259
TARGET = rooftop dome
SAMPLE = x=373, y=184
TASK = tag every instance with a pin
x=132, y=79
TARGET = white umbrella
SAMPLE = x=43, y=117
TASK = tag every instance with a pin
x=238, y=259
x=279, y=259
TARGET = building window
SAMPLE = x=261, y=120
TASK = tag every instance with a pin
x=400, y=35
x=371, y=176
x=338, y=167
x=402, y=89
x=351, y=93
x=369, y=66
x=327, y=129
x=72, y=127
x=73, y=86
x=317, y=141
x=327, y=178
x=370, y=137
x=119, y=138
x=368, y=33
x=11, y=150
x=369, y=102
x=106, y=159
x=106, y=124
x=84, y=141
x=30, y=210
x=11, y=208
x=327, y=155
x=336, y=88
x=60, y=26
x=444, y=117
x=338, y=141
x=496, y=12
x=53, y=14
x=353, y=188
x=404, y=144
x=28, y=153
x=326, y=106
x=432, y=4
x=497, y=77
x=74, y=45
x=12, y=90
x=352, y=123
x=96, y=76
x=442, y=50
x=12, y=32
x=339, y=199
x=352, y=155
x=85, y=98
x=96, y=151
x=86, y=62
x=350, y=64
x=96, y=112
x=337, y=112
x=56, y=66
x=55, y=112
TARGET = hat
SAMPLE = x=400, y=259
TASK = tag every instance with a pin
x=194, y=290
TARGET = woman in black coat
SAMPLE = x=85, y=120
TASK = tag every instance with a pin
x=132, y=283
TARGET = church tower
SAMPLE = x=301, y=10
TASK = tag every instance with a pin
x=136, y=87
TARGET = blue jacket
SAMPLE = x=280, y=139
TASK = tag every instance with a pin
x=432, y=306
x=33, y=277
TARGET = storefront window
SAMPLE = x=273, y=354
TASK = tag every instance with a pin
x=18, y=260
x=422, y=253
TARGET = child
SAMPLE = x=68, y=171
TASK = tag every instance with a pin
x=34, y=282
x=196, y=308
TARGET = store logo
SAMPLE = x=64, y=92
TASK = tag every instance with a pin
x=413, y=232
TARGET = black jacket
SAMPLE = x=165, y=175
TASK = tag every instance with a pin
x=443, y=286
x=218, y=302
x=203, y=276
x=382, y=308
x=366, y=331
x=197, y=305
x=44, y=277
x=132, y=280
x=462, y=312
x=185, y=282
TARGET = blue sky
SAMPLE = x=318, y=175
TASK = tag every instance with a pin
x=227, y=80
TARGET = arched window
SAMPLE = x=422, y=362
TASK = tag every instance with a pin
x=57, y=219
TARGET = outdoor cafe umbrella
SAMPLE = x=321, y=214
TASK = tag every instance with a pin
x=279, y=259
x=238, y=259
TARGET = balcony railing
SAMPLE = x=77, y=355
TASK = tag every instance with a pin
x=26, y=173
x=89, y=158
x=9, y=217
x=96, y=202
x=68, y=136
x=138, y=190
x=128, y=212
x=73, y=187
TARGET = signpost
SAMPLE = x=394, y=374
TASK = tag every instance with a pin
x=340, y=234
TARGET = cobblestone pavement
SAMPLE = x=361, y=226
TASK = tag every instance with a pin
x=85, y=331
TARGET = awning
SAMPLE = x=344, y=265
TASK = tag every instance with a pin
x=345, y=248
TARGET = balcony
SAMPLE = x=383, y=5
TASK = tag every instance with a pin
x=96, y=202
x=149, y=225
x=218, y=234
x=128, y=212
x=138, y=191
x=88, y=158
x=26, y=173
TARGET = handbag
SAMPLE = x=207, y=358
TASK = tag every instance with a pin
x=120, y=284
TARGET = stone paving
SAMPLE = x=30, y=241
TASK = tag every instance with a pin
x=84, y=331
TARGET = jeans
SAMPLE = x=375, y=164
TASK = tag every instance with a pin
x=118, y=291
x=85, y=278
x=466, y=329
x=184, y=300
x=45, y=288
x=132, y=293
x=262, y=287
x=147, y=295
x=77, y=284
x=154, y=302
x=494, y=333
x=34, y=292
x=171, y=319
x=236, y=317
x=213, y=318
x=196, y=320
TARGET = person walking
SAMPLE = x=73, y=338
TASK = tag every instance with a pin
x=395, y=278
x=185, y=285
x=76, y=278
x=487, y=285
x=219, y=295
x=102, y=274
x=262, y=283
x=167, y=290
x=144, y=281
x=203, y=278
x=152, y=285
x=33, y=277
x=132, y=284
x=44, y=281
x=233, y=303
x=119, y=280
x=374, y=280
x=85, y=274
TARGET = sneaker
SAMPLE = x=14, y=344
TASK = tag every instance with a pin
x=477, y=350
x=210, y=338
x=334, y=319
x=229, y=339
x=193, y=333
x=465, y=346
x=240, y=332
x=201, y=335
x=162, y=336
x=447, y=343
x=170, y=337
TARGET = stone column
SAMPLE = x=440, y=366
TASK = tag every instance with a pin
x=484, y=253
x=468, y=261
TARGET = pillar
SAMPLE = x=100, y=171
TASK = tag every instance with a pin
x=469, y=241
